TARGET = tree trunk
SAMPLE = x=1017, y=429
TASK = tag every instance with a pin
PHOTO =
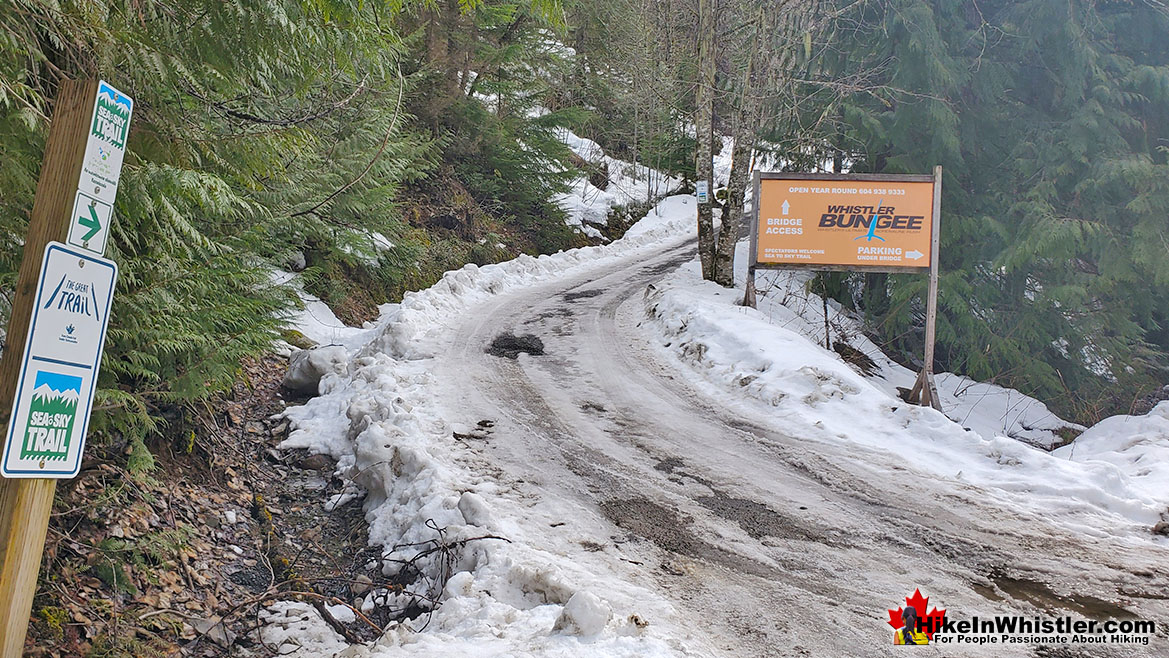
x=745, y=129
x=703, y=130
x=728, y=237
x=770, y=72
x=442, y=25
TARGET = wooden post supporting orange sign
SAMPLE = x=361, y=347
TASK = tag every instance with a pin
x=25, y=503
x=925, y=391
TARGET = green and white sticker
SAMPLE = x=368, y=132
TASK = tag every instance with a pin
x=105, y=148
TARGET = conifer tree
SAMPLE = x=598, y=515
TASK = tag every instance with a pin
x=1048, y=119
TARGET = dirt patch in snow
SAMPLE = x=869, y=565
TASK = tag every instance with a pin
x=584, y=294
x=855, y=357
x=759, y=520
x=668, y=465
x=510, y=346
x=670, y=531
x=1042, y=596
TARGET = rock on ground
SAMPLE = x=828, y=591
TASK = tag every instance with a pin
x=307, y=367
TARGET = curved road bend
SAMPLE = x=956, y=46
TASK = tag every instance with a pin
x=769, y=545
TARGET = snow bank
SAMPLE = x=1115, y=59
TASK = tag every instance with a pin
x=530, y=597
x=768, y=355
x=588, y=206
x=1137, y=446
x=988, y=409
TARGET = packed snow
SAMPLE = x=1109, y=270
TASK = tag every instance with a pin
x=775, y=354
x=515, y=591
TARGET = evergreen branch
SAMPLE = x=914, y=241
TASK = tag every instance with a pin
x=284, y=122
x=368, y=167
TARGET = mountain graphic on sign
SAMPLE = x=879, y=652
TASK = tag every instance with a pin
x=115, y=97
x=46, y=393
x=65, y=390
x=111, y=116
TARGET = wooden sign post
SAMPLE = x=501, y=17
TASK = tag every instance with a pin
x=925, y=391
x=25, y=503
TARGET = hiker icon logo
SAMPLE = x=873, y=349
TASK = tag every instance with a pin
x=912, y=624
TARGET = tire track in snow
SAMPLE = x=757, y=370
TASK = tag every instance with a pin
x=592, y=420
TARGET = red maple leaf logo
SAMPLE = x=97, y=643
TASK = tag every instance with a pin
x=930, y=622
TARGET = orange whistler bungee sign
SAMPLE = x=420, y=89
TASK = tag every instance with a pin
x=844, y=222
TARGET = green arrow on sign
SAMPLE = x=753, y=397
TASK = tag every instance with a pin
x=90, y=223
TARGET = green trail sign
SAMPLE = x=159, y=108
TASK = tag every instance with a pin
x=101, y=168
x=52, y=413
x=92, y=222
x=111, y=116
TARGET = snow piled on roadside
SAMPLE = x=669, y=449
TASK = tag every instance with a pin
x=1138, y=446
x=316, y=320
x=588, y=206
x=768, y=354
x=525, y=598
x=988, y=409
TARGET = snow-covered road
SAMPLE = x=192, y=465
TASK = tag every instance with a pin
x=767, y=544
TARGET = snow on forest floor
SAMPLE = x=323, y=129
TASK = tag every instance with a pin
x=316, y=321
x=587, y=206
x=509, y=598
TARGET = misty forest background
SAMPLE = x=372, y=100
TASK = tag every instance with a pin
x=267, y=132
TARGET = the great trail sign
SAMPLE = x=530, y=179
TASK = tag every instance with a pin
x=105, y=148
x=62, y=356
x=60, y=308
x=852, y=222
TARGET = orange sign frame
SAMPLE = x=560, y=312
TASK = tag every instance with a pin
x=865, y=222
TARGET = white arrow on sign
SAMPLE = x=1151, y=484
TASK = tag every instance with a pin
x=915, y=254
x=786, y=206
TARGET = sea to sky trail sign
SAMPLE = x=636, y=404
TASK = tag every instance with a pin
x=852, y=222
x=62, y=355
x=59, y=312
x=101, y=168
